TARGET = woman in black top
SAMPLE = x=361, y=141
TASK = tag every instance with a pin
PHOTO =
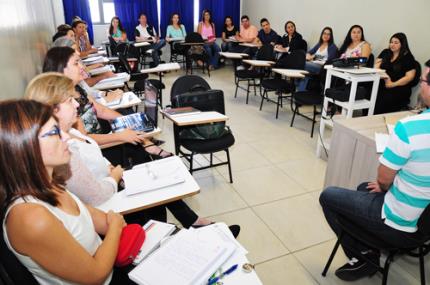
x=399, y=63
x=229, y=31
x=292, y=40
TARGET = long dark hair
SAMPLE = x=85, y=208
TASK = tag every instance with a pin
x=210, y=16
x=404, y=46
x=25, y=174
x=348, y=39
x=290, y=22
x=120, y=27
x=231, y=19
x=331, y=40
x=56, y=59
x=179, y=19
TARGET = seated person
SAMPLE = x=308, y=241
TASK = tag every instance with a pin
x=65, y=60
x=229, y=32
x=50, y=231
x=116, y=30
x=92, y=179
x=64, y=30
x=399, y=64
x=145, y=32
x=248, y=34
x=292, y=40
x=325, y=50
x=206, y=29
x=82, y=39
x=391, y=206
x=354, y=44
x=175, y=33
x=267, y=36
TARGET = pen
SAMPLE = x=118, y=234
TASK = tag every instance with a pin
x=214, y=280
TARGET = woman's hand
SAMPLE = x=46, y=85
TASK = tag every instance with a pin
x=374, y=187
x=116, y=173
x=115, y=220
x=309, y=57
x=113, y=95
x=130, y=136
x=389, y=83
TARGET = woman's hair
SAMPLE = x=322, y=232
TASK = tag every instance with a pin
x=63, y=42
x=331, y=40
x=348, y=38
x=290, y=22
x=120, y=27
x=179, y=19
x=25, y=174
x=231, y=19
x=56, y=59
x=210, y=16
x=404, y=46
x=51, y=88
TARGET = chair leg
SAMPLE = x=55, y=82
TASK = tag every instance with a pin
x=313, y=121
x=255, y=87
x=237, y=87
x=387, y=268
x=277, y=105
x=422, y=271
x=191, y=162
x=229, y=166
x=294, y=115
x=211, y=158
x=247, y=92
x=333, y=253
x=262, y=98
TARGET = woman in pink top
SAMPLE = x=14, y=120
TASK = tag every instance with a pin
x=206, y=28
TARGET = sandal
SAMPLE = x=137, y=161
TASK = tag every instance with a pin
x=158, y=155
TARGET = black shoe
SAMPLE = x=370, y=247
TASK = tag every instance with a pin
x=235, y=229
x=355, y=269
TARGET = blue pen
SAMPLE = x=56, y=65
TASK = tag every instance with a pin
x=212, y=281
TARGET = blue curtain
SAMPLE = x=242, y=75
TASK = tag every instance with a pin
x=220, y=9
x=128, y=12
x=185, y=10
x=79, y=8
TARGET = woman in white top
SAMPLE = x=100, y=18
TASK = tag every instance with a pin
x=48, y=229
x=354, y=44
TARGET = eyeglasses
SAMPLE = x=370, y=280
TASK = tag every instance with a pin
x=55, y=131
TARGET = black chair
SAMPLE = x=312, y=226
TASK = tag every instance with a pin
x=196, y=52
x=250, y=76
x=313, y=96
x=203, y=100
x=11, y=269
x=282, y=88
x=177, y=51
x=370, y=239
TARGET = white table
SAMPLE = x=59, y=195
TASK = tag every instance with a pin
x=354, y=76
x=129, y=99
x=121, y=203
x=197, y=118
x=233, y=55
x=292, y=73
x=259, y=63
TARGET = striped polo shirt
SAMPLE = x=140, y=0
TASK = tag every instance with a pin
x=408, y=152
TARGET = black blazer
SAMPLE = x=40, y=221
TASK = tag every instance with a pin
x=296, y=42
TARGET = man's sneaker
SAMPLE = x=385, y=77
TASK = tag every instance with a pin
x=240, y=67
x=355, y=269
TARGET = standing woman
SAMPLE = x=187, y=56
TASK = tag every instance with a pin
x=116, y=30
x=354, y=44
x=325, y=50
x=229, y=31
x=399, y=64
x=206, y=29
x=51, y=232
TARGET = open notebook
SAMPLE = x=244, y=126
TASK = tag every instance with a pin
x=189, y=258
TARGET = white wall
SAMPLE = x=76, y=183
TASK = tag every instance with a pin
x=380, y=19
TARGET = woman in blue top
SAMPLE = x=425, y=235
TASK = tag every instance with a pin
x=116, y=30
x=325, y=50
x=175, y=33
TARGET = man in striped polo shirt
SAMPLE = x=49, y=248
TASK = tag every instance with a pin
x=391, y=206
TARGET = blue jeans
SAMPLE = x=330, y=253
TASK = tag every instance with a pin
x=364, y=209
x=227, y=46
x=312, y=67
x=155, y=48
x=213, y=50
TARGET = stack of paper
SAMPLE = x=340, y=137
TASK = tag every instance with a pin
x=101, y=70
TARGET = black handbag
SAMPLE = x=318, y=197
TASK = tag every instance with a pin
x=342, y=93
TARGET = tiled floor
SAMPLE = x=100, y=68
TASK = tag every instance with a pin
x=274, y=197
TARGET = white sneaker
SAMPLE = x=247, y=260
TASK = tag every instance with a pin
x=240, y=67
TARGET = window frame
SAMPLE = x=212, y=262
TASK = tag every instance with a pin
x=101, y=12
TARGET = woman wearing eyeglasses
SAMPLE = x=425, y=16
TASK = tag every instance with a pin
x=399, y=65
x=51, y=232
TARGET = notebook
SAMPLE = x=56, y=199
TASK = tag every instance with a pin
x=151, y=176
x=189, y=258
x=180, y=111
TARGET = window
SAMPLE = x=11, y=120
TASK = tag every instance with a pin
x=102, y=11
